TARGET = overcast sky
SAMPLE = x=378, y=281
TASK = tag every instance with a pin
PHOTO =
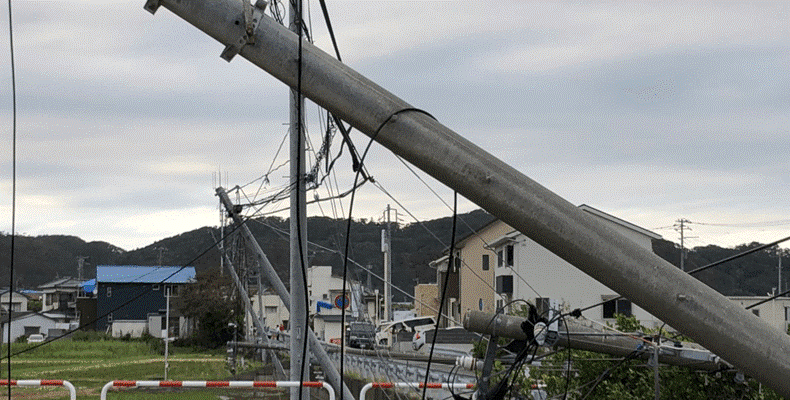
x=648, y=111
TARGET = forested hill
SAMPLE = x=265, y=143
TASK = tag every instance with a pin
x=754, y=274
x=43, y=258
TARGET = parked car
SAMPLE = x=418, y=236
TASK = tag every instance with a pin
x=388, y=330
x=361, y=335
x=36, y=338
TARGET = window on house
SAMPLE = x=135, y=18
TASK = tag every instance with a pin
x=499, y=304
x=616, y=306
x=457, y=262
x=174, y=289
x=480, y=304
x=756, y=311
x=509, y=254
x=155, y=287
x=500, y=260
x=787, y=313
x=109, y=291
x=542, y=305
x=29, y=330
x=109, y=318
x=485, y=262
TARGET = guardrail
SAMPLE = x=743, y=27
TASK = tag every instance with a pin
x=214, y=384
x=414, y=385
x=42, y=382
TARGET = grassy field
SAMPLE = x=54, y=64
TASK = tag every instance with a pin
x=89, y=365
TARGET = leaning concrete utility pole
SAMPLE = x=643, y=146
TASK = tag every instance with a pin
x=685, y=303
x=256, y=318
x=298, y=319
x=329, y=368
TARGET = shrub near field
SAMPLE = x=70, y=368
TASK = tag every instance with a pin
x=90, y=364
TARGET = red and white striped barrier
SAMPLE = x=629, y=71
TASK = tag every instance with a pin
x=414, y=385
x=215, y=384
x=42, y=382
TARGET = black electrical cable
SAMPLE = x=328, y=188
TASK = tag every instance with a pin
x=13, y=188
x=450, y=265
x=700, y=269
x=345, y=132
x=345, y=256
x=329, y=28
x=768, y=299
x=608, y=371
x=348, y=232
x=297, y=7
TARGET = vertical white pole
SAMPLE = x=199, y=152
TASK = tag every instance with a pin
x=167, y=328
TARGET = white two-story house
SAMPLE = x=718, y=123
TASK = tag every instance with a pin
x=525, y=270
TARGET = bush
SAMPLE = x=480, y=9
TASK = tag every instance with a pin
x=89, y=336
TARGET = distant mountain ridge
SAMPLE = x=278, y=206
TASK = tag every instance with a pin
x=40, y=259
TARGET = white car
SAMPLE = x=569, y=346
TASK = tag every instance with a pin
x=35, y=338
x=418, y=340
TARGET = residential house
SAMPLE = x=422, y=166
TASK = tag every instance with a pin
x=271, y=306
x=18, y=300
x=325, y=292
x=133, y=299
x=775, y=312
x=526, y=270
x=61, y=295
x=426, y=300
x=28, y=323
x=471, y=281
x=497, y=264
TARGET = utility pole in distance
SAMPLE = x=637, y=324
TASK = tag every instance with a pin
x=386, y=248
x=681, y=227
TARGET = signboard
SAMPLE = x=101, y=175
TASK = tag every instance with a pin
x=342, y=301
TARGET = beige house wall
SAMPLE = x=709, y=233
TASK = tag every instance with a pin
x=477, y=285
x=426, y=299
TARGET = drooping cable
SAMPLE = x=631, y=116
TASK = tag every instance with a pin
x=346, y=258
x=450, y=265
x=13, y=187
x=348, y=230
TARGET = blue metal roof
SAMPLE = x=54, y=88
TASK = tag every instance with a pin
x=140, y=274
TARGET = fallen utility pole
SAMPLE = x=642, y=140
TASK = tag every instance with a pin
x=683, y=302
x=332, y=374
x=583, y=337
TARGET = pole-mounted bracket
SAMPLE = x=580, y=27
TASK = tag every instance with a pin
x=152, y=5
x=252, y=17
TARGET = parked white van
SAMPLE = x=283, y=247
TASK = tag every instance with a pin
x=389, y=330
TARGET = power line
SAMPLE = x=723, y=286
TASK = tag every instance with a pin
x=762, y=224
x=13, y=187
x=700, y=269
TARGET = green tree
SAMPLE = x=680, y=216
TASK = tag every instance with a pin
x=603, y=377
x=212, y=302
